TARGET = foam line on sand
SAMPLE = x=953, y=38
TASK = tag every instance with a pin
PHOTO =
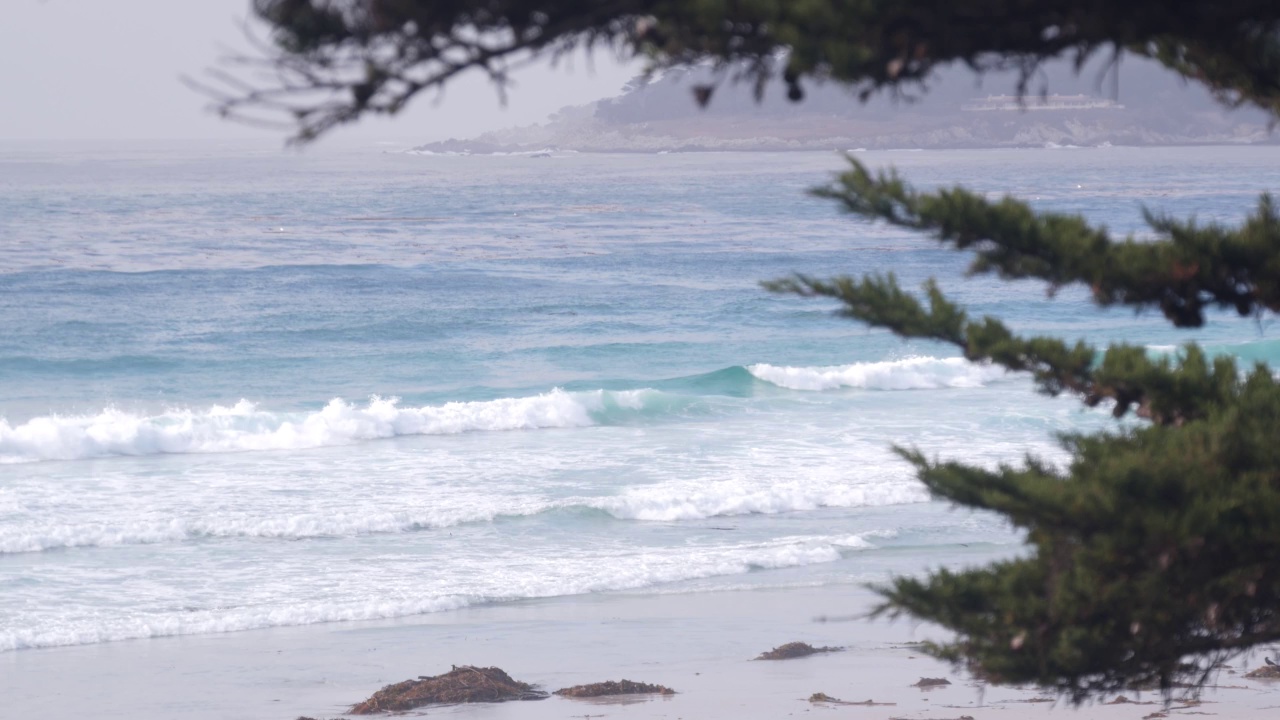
x=699, y=644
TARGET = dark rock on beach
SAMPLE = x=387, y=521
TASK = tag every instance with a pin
x=795, y=650
x=825, y=698
x=608, y=688
x=465, y=684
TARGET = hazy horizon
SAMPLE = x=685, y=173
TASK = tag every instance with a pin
x=131, y=89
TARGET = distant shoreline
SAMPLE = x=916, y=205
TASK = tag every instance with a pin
x=698, y=150
x=659, y=114
x=1017, y=133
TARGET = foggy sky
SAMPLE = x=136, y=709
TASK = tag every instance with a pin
x=109, y=69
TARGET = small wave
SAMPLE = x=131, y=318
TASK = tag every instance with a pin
x=291, y=527
x=918, y=373
x=1246, y=351
x=582, y=575
x=735, y=381
x=208, y=622
x=244, y=426
x=727, y=498
x=657, y=503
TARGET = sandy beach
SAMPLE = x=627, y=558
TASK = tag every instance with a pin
x=699, y=643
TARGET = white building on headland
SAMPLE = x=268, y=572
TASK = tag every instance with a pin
x=993, y=103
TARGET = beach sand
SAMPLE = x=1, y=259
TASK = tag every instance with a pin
x=699, y=643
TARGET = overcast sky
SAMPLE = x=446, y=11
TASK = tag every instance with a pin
x=109, y=69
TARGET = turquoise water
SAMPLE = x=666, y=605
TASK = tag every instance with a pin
x=245, y=389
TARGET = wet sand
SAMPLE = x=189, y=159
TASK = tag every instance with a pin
x=700, y=644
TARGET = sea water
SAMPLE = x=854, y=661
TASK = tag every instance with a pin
x=245, y=388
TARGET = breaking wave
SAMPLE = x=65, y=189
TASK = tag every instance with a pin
x=918, y=373
x=244, y=426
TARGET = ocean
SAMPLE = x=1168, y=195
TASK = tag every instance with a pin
x=247, y=388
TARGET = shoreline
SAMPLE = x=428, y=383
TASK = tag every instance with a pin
x=701, y=644
x=817, y=147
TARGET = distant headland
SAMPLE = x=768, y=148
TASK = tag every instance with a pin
x=1140, y=103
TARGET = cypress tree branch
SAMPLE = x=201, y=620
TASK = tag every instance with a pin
x=1151, y=555
x=1151, y=552
x=1188, y=268
x=334, y=61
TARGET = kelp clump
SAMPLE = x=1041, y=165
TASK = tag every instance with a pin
x=466, y=684
x=1266, y=672
x=610, y=687
x=795, y=650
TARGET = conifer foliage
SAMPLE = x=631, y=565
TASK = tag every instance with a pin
x=333, y=61
x=1155, y=553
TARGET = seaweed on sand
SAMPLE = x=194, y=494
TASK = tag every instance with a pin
x=466, y=684
x=1266, y=672
x=825, y=698
x=795, y=650
x=621, y=687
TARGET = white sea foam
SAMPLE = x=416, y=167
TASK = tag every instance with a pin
x=729, y=498
x=915, y=373
x=244, y=426
x=87, y=632
x=21, y=539
x=664, y=502
x=532, y=577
